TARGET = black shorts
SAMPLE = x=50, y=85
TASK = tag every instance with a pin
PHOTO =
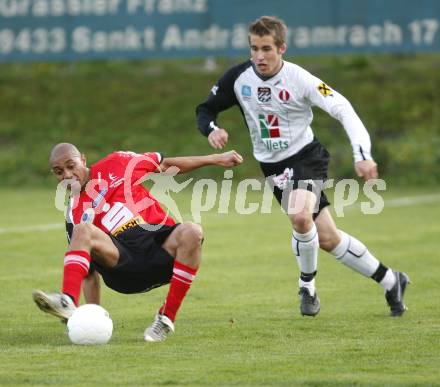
x=306, y=169
x=143, y=263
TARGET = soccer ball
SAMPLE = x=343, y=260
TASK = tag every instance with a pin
x=90, y=324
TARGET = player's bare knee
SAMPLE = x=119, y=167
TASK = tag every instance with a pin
x=302, y=221
x=191, y=234
x=82, y=232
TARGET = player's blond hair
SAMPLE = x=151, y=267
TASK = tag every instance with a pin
x=269, y=25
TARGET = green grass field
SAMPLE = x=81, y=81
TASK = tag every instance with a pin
x=240, y=325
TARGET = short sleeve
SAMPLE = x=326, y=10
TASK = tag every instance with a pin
x=137, y=165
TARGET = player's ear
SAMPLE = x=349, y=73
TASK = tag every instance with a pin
x=282, y=48
x=83, y=159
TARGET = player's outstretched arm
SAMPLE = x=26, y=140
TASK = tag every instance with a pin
x=366, y=169
x=187, y=164
x=229, y=159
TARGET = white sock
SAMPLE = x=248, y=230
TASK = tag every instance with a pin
x=308, y=284
x=305, y=247
x=355, y=255
x=388, y=281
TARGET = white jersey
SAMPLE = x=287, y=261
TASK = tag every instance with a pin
x=278, y=110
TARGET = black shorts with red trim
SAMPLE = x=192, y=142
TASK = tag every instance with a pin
x=143, y=263
x=306, y=169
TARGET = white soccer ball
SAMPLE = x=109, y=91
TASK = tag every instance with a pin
x=90, y=324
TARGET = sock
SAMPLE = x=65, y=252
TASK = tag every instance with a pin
x=354, y=254
x=76, y=268
x=385, y=277
x=305, y=246
x=308, y=281
x=180, y=283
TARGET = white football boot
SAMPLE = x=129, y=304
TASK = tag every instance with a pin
x=159, y=330
x=57, y=304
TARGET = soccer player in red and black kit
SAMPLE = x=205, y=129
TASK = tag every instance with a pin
x=118, y=229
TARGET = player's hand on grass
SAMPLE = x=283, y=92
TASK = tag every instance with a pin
x=366, y=169
x=218, y=138
x=229, y=159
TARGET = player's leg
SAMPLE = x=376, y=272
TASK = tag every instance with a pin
x=86, y=239
x=305, y=247
x=185, y=244
x=297, y=182
x=354, y=254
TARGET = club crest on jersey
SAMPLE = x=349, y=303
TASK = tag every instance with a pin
x=246, y=91
x=264, y=94
x=88, y=216
x=284, y=95
x=325, y=90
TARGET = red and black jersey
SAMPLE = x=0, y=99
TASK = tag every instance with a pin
x=114, y=199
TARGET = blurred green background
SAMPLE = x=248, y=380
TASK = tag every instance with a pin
x=104, y=106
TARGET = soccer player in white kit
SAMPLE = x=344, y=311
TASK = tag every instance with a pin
x=276, y=99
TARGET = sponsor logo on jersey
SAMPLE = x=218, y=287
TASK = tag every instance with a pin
x=131, y=223
x=246, y=91
x=115, y=180
x=273, y=145
x=284, y=95
x=269, y=126
x=264, y=94
x=325, y=90
x=270, y=132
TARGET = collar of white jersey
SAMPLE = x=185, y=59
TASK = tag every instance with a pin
x=265, y=78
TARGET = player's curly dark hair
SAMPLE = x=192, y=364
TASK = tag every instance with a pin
x=269, y=25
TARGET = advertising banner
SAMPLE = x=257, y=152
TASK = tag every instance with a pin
x=41, y=30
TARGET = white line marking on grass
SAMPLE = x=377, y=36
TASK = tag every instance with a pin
x=38, y=227
x=405, y=201
x=411, y=200
x=397, y=202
